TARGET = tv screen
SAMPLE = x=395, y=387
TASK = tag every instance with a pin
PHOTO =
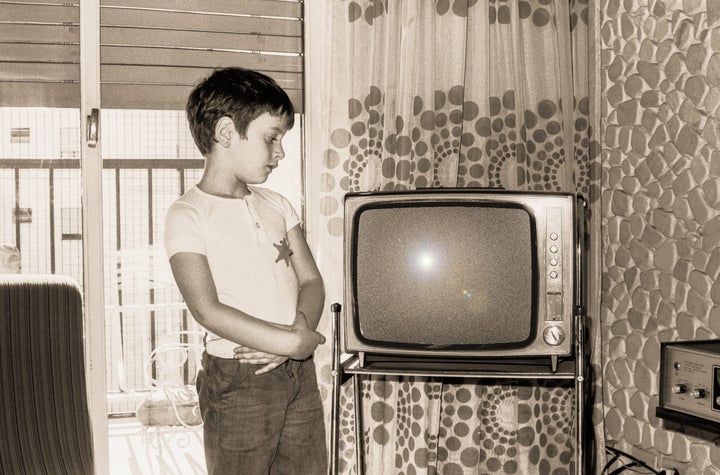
x=427, y=267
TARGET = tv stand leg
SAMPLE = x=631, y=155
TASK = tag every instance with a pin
x=359, y=441
x=337, y=374
x=554, y=363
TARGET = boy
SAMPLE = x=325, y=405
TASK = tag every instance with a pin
x=241, y=262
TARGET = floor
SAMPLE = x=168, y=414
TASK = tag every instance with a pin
x=137, y=450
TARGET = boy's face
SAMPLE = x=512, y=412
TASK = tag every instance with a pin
x=258, y=154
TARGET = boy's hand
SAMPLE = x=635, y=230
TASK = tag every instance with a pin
x=252, y=356
x=307, y=339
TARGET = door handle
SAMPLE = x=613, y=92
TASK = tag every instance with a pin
x=92, y=127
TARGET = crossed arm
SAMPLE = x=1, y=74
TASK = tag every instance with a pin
x=260, y=342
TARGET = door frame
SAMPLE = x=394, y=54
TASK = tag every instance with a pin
x=92, y=223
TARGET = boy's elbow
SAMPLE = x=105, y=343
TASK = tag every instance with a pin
x=200, y=317
x=203, y=314
x=321, y=292
x=317, y=285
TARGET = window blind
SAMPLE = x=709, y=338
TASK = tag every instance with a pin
x=39, y=54
x=151, y=52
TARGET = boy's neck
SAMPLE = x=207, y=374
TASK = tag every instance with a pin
x=230, y=189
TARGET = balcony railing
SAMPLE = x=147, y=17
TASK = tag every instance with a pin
x=41, y=213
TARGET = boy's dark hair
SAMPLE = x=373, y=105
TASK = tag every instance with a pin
x=238, y=93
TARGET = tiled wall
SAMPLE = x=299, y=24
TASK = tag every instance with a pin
x=661, y=213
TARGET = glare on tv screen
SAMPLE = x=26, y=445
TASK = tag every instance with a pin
x=445, y=275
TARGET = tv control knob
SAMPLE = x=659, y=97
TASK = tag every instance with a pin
x=698, y=393
x=678, y=388
x=554, y=335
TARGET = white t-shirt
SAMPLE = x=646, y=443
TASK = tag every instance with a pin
x=245, y=242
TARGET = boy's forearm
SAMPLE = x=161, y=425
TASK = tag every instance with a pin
x=311, y=300
x=246, y=330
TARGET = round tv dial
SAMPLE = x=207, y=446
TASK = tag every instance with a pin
x=554, y=335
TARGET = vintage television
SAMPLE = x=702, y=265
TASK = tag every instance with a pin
x=462, y=274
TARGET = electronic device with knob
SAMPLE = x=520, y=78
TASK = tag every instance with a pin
x=690, y=383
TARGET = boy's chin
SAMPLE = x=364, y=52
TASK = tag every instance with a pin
x=257, y=181
x=265, y=178
x=262, y=180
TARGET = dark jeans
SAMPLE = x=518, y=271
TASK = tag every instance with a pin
x=261, y=424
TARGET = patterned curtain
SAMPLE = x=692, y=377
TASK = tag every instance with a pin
x=454, y=93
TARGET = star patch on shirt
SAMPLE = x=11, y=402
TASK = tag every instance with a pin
x=284, y=252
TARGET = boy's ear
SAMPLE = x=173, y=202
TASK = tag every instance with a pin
x=224, y=130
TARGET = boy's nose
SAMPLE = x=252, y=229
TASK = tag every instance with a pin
x=279, y=152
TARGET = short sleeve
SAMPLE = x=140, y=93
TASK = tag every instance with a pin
x=183, y=230
x=279, y=204
x=291, y=217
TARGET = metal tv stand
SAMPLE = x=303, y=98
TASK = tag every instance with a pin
x=352, y=367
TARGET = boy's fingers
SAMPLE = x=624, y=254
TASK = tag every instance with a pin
x=244, y=350
x=254, y=361
x=268, y=367
x=253, y=357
